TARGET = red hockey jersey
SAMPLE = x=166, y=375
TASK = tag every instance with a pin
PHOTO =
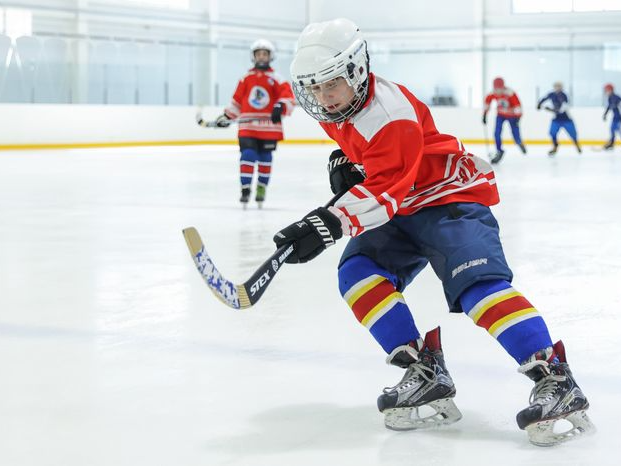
x=408, y=164
x=507, y=103
x=255, y=96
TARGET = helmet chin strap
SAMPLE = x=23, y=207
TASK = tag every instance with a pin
x=262, y=66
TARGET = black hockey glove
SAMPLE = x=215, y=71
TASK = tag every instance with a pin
x=223, y=121
x=484, y=118
x=310, y=236
x=343, y=173
x=277, y=113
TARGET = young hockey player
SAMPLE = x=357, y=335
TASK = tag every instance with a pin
x=561, y=119
x=260, y=101
x=508, y=108
x=614, y=106
x=414, y=196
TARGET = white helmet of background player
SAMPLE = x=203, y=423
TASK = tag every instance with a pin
x=331, y=56
x=262, y=44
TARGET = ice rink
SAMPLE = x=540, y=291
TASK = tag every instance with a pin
x=114, y=352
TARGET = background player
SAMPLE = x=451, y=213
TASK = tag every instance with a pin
x=614, y=106
x=260, y=100
x=561, y=119
x=418, y=197
x=508, y=108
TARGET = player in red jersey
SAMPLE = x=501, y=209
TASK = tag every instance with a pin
x=508, y=108
x=261, y=99
x=415, y=196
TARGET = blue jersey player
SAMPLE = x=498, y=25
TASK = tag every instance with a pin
x=614, y=106
x=559, y=101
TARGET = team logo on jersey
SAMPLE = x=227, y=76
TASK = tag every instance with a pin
x=258, y=98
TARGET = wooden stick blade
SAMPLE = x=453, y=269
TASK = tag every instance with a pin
x=232, y=295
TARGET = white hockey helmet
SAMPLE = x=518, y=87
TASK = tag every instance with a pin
x=262, y=44
x=326, y=51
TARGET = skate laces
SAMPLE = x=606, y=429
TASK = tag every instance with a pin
x=544, y=388
x=415, y=372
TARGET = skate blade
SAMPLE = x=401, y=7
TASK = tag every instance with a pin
x=260, y=205
x=411, y=418
x=542, y=433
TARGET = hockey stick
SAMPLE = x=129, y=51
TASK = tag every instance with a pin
x=248, y=293
x=213, y=124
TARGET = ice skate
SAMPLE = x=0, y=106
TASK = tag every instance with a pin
x=497, y=157
x=245, y=197
x=423, y=397
x=552, y=151
x=522, y=148
x=609, y=145
x=556, y=396
x=579, y=149
x=260, y=196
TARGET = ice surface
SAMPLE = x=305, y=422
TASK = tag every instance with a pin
x=114, y=352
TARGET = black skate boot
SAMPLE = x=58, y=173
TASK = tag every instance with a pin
x=609, y=145
x=260, y=197
x=578, y=148
x=245, y=197
x=497, y=157
x=556, y=396
x=426, y=384
x=552, y=152
x=522, y=148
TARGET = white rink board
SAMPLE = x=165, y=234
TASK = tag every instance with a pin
x=39, y=124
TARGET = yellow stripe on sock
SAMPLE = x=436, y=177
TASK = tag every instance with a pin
x=361, y=288
x=510, y=317
x=385, y=303
x=491, y=303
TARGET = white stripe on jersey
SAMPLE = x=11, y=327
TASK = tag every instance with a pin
x=389, y=104
x=261, y=127
x=366, y=211
x=453, y=183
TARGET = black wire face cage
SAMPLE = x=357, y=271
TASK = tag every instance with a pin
x=311, y=105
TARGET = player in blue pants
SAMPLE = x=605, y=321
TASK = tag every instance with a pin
x=614, y=106
x=561, y=119
x=412, y=196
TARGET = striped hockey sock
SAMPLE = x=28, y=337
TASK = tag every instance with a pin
x=246, y=166
x=507, y=316
x=370, y=292
x=265, y=168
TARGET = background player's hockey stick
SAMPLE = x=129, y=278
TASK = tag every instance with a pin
x=213, y=124
x=248, y=293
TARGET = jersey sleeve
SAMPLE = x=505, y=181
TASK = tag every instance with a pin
x=488, y=102
x=516, y=105
x=285, y=96
x=390, y=162
x=234, y=108
x=543, y=99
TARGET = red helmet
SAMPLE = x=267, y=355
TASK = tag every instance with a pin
x=499, y=83
x=609, y=88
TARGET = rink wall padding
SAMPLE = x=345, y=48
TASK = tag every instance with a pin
x=50, y=126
